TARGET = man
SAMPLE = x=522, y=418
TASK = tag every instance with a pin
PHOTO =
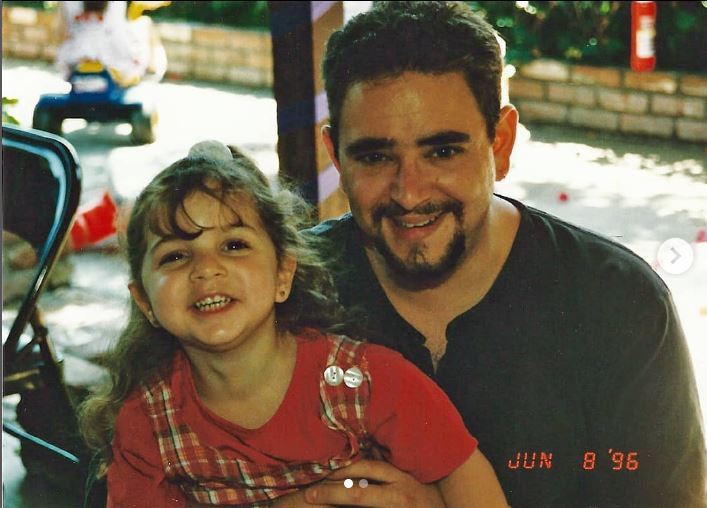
x=561, y=350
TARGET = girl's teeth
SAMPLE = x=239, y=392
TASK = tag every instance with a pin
x=209, y=304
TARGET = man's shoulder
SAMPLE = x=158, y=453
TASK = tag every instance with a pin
x=578, y=249
x=335, y=241
x=337, y=228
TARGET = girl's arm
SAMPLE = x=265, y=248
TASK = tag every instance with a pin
x=474, y=483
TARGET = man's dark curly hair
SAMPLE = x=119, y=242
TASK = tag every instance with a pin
x=428, y=37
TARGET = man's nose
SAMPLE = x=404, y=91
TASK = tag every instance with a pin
x=207, y=266
x=411, y=183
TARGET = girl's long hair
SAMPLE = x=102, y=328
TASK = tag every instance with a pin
x=143, y=351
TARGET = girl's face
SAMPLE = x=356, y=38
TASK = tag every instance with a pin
x=217, y=291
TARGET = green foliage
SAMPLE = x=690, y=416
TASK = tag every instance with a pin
x=7, y=117
x=240, y=14
x=597, y=33
x=236, y=14
x=32, y=5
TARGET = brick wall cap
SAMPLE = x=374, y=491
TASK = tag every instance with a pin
x=546, y=69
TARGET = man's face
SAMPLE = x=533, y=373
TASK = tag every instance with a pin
x=418, y=169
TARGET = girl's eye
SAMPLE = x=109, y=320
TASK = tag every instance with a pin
x=444, y=152
x=171, y=257
x=236, y=245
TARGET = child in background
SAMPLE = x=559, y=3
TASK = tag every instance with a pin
x=229, y=385
x=113, y=35
x=98, y=32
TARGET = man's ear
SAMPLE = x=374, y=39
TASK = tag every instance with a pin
x=329, y=145
x=285, y=276
x=504, y=140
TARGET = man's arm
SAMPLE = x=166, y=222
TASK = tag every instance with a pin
x=648, y=406
x=387, y=487
x=473, y=483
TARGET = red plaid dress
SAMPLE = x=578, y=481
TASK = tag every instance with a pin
x=206, y=476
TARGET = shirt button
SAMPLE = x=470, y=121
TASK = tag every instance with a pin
x=333, y=375
x=353, y=377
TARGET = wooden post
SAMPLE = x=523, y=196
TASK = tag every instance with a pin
x=299, y=34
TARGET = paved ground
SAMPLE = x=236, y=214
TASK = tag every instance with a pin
x=639, y=192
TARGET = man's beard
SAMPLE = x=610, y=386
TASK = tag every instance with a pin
x=415, y=271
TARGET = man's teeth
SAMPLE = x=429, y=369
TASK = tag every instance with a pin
x=410, y=225
x=212, y=303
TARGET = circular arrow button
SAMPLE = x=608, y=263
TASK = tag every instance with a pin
x=675, y=256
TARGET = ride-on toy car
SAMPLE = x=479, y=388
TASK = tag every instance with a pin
x=96, y=97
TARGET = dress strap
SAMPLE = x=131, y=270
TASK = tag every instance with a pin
x=345, y=390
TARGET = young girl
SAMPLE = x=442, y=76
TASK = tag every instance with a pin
x=227, y=386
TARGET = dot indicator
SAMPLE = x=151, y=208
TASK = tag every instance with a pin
x=348, y=483
x=563, y=197
x=363, y=483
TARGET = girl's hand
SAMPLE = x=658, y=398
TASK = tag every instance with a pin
x=387, y=487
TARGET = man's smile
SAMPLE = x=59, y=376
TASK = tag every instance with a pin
x=415, y=221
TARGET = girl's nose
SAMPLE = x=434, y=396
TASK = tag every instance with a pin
x=207, y=266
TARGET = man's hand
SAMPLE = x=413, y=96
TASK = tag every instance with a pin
x=387, y=487
x=296, y=500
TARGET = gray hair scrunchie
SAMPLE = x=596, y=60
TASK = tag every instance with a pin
x=211, y=149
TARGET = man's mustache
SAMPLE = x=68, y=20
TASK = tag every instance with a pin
x=393, y=210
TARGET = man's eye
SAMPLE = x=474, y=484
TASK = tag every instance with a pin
x=444, y=152
x=372, y=158
x=236, y=245
x=171, y=257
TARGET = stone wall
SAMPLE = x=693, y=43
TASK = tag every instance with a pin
x=661, y=104
x=208, y=53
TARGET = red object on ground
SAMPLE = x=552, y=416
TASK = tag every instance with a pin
x=93, y=223
x=563, y=197
x=643, y=16
x=701, y=236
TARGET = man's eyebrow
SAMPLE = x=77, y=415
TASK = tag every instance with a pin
x=363, y=145
x=443, y=138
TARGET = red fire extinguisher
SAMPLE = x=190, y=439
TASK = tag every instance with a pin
x=643, y=16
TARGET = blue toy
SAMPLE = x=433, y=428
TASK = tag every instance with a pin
x=96, y=97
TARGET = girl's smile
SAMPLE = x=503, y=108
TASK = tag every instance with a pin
x=213, y=303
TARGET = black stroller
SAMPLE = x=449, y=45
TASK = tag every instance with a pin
x=41, y=185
